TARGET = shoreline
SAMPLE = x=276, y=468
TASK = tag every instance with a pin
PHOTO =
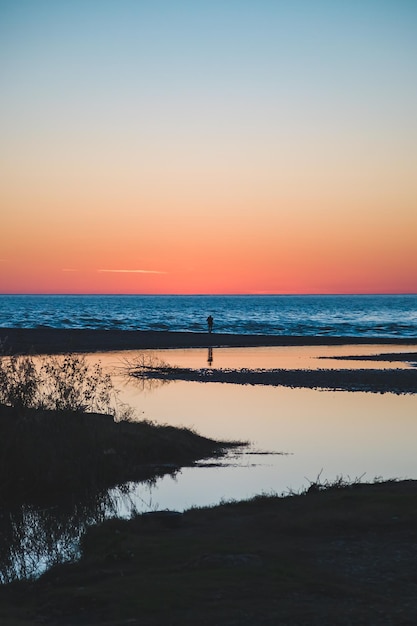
x=66, y=340
x=50, y=453
x=342, y=555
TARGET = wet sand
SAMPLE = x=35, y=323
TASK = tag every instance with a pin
x=59, y=341
x=405, y=357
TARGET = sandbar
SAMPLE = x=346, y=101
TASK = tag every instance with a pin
x=47, y=340
x=399, y=381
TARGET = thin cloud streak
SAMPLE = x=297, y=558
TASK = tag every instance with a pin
x=133, y=271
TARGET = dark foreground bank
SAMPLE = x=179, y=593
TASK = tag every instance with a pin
x=345, y=555
x=60, y=341
x=47, y=455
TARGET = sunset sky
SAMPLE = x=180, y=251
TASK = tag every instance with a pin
x=208, y=146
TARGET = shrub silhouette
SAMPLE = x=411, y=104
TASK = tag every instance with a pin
x=62, y=431
x=55, y=383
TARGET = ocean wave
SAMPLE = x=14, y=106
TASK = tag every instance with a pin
x=368, y=316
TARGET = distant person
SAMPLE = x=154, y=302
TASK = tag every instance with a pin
x=210, y=323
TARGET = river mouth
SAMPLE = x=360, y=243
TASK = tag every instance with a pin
x=294, y=434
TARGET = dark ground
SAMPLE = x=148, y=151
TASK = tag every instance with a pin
x=45, y=453
x=341, y=556
x=397, y=381
x=57, y=340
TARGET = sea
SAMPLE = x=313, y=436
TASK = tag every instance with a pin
x=389, y=316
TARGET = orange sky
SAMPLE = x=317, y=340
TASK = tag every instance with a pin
x=228, y=150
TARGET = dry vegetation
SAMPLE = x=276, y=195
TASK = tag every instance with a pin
x=341, y=555
x=58, y=432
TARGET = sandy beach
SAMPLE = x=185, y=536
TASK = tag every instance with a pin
x=59, y=341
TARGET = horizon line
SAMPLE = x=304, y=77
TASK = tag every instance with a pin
x=350, y=293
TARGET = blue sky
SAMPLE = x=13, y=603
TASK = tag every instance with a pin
x=299, y=115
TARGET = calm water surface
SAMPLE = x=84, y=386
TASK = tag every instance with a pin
x=304, y=433
x=271, y=357
x=335, y=433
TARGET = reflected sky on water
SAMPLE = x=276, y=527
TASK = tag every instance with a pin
x=294, y=435
x=270, y=357
x=335, y=433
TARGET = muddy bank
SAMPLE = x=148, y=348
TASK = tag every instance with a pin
x=59, y=340
x=45, y=455
x=404, y=357
x=380, y=381
x=340, y=556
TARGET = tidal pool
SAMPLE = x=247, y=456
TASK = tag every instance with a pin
x=294, y=435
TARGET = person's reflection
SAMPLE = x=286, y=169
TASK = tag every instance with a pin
x=210, y=356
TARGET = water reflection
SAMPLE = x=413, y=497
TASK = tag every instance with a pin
x=337, y=432
x=33, y=539
x=351, y=372
x=150, y=384
x=272, y=357
x=210, y=356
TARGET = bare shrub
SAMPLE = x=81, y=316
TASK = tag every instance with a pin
x=19, y=382
x=147, y=368
x=144, y=363
x=70, y=384
x=57, y=383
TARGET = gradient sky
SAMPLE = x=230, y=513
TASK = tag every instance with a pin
x=222, y=146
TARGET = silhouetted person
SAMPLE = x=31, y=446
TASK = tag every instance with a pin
x=210, y=323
